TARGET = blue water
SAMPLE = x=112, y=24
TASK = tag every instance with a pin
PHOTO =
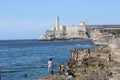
x=20, y=57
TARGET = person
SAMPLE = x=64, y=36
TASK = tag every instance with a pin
x=59, y=69
x=79, y=62
x=71, y=73
x=50, y=66
x=0, y=74
x=109, y=57
x=63, y=68
x=88, y=51
x=67, y=65
x=101, y=66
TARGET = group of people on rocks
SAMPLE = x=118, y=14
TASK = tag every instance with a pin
x=63, y=69
x=75, y=53
x=74, y=59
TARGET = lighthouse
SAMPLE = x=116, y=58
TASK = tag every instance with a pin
x=57, y=23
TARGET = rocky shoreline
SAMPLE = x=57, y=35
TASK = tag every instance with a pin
x=109, y=71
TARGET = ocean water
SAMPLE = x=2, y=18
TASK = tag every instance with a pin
x=20, y=57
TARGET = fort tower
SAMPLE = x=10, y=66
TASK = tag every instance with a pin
x=57, y=23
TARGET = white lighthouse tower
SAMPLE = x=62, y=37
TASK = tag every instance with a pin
x=57, y=23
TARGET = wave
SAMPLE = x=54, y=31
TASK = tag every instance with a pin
x=14, y=70
x=85, y=46
x=50, y=56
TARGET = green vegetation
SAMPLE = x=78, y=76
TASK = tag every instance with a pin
x=88, y=34
x=114, y=32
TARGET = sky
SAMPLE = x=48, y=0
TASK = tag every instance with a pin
x=29, y=19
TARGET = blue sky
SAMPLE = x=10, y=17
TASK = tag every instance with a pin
x=28, y=19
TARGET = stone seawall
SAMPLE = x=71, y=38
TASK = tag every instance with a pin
x=111, y=43
x=99, y=42
x=114, y=43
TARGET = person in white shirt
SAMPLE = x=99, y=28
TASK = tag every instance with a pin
x=50, y=66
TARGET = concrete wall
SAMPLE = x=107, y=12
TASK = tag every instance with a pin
x=66, y=32
x=75, y=31
x=114, y=43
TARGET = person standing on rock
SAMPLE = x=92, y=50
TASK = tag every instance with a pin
x=88, y=52
x=50, y=66
x=109, y=57
x=63, y=68
x=59, y=69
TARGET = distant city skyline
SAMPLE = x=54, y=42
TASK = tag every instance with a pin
x=29, y=19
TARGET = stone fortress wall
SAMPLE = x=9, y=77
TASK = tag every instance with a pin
x=65, y=32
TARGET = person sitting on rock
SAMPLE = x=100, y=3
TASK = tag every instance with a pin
x=101, y=65
x=71, y=73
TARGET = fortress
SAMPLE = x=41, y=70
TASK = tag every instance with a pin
x=65, y=32
x=81, y=31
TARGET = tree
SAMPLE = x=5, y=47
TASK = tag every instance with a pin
x=87, y=34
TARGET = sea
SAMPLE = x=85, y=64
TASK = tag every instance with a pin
x=27, y=59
